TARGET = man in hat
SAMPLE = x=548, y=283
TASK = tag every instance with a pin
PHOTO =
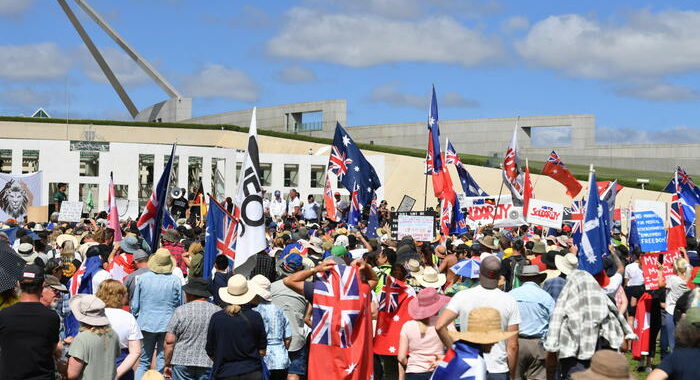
x=171, y=242
x=501, y=362
x=535, y=307
x=26, y=251
x=277, y=207
x=141, y=263
x=29, y=332
x=156, y=295
x=565, y=264
x=513, y=265
x=51, y=294
x=185, y=356
x=342, y=206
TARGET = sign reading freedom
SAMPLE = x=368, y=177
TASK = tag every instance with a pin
x=652, y=235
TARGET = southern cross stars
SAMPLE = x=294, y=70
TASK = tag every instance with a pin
x=346, y=140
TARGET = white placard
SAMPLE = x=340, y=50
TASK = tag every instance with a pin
x=483, y=210
x=17, y=193
x=128, y=208
x=546, y=214
x=658, y=208
x=70, y=211
x=420, y=227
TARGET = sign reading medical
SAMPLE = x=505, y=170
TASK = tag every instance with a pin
x=501, y=212
x=546, y=214
x=650, y=217
x=418, y=224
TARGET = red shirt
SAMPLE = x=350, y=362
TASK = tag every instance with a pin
x=538, y=261
x=177, y=250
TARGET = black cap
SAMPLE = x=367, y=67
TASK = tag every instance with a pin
x=32, y=274
x=93, y=251
x=197, y=287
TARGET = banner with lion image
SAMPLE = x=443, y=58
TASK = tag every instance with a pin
x=17, y=193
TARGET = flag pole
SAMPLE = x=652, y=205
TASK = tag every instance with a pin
x=498, y=200
x=425, y=190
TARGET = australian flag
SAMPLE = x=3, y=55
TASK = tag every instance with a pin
x=373, y=221
x=151, y=221
x=689, y=196
x=220, y=238
x=462, y=361
x=469, y=185
x=593, y=246
x=355, y=210
x=352, y=168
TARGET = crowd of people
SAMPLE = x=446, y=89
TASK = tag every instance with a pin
x=82, y=306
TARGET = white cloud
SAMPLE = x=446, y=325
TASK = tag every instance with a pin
x=361, y=40
x=24, y=97
x=456, y=100
x=515, y=24
x=14, y=7
x=217, y=81
x=628, y=136
x=657, y=91
x=126, y=70
x=296, y=74
x=389, y=94
x=645, y=44
x=410, y=9
x=33, y=62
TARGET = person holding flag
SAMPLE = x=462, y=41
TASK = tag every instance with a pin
x=151, y=221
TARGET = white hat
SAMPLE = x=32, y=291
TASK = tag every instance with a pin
x=238, y=291
x=26, y=250
x=262, y=286
x=567, y=263
x=430, y=278
x=342, y=240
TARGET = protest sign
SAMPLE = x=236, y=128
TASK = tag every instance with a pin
x=70, y=211
x=406, y=204
x=546, y=214
x=484, y=210
x=128, y=208
x=418, y=224
x=650, y=217
x=18, y=193
x=649, y=262
x=38, y=214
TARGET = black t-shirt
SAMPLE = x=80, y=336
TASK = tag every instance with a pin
x=682, y=364
x=179, y=207
x=509, y=267
x=28, y=334
x=234, y=342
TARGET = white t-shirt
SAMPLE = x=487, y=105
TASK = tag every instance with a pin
x=466, y=300
x=675, y=287
x=634, y=275
x=97, y=279
x=357, y=253
x=277, y=208
x=291, y=203
x=615, y=283
x=124, y=324
x=310, y=210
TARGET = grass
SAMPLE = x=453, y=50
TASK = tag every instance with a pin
x=633, y=365
x=625, y=177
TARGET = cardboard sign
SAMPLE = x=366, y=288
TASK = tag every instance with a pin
x=652, y=235
x=649, y=262
x=38, y=214
x=406, y=204
x=546, y=214
x=418, y=224
x=485, y=210
x=127, y=208
x=70, y=211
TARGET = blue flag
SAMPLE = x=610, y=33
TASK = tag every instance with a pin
x=593, y=246
x=220, y=237
x=352, y=168
x=689, y=195
x=469, y=185
x=355, y=210
x=459, y=219
x=633, y=236
x=463, y=361
x=151, y=221
x=168, y=220
x=373, y=222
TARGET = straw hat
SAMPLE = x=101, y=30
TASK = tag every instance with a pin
x=262, y=286
x=606, y=365
x=238, y=291
x=161, y=262
x=152, y=374
x=60, y=239
x=414, y=267
x=89, y=309
x=430, y=278
x=488, y=242
x=483, y=327
x=540, y=248
x=567, y=263
x=426, y=304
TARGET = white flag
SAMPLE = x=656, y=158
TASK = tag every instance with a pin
x=249, y=206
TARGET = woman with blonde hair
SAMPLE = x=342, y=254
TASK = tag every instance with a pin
x=675, y=285
x=114, y=294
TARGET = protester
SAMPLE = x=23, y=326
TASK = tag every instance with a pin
x=675, y=285
x=265, y=265
x=156, y=296
x=513, y=265
x=277, y=329
x=683, y=363
x=171, y=242
x=141, y=264
x=185, y=356
x=93, y=352
x=196, y=258
x=219, y=279
x=236, y=338
x=565, y=265
x=115, y=297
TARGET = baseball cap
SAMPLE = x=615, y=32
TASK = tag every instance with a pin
x=53, y=282
x=32, y=274
x=336, y=193
x=490, y=272
x=277, y=193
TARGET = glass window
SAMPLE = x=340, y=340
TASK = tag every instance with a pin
x=312, y=121
x=30, y=161
x=239, y=165
x=89, y=164
x=266, y=170
x=175, y=171
x=121, y=191
x=218, y=168
x=194, y=173
x=291, y=175
x=145, y=178
x=88, y=195
x=53, y=189
x=317, y=172
x=6, y=161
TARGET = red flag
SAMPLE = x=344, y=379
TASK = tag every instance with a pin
x=121, y=266
x=512, y=176
x=641, y=327
x=676, y=231
x=555, y=169
x=603, y=185
x=528, y=191
x=113, y=216
x=392, y=313
x=329, y=201
x=341, y=327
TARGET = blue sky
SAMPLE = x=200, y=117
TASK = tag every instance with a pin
x=634, y=64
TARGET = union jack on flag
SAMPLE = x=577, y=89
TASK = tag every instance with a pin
x=684, y=177
x=676, y=213
x=451, y=156
x=221, y=235
x=554, y=159
x=389, y=296
x=338, y=163
x=577, y=217
x=337, y=306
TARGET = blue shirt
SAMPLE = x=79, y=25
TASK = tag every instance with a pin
x=278, y=329
x=536, y=307
x=553, y=286
x=156, y=296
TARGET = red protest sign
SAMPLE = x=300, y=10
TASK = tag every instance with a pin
x=649, y=263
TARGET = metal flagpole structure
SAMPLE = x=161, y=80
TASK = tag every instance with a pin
x=425, y=189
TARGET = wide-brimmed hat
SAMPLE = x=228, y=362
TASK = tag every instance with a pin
x=567, y=263
x=89, y=309
x=238, y=291
x=26, y=251
x=60, y=239
x=531, y=272
x=540, y=248
x=414, y=267
x=488, y=242
x=563, y=240
x=483, y=327
x=430, y=278
x=197, y=287
x=341, y=240
x=161, y=262
x=262, y=286
x=489, y=272
x=38, y=228
x=606, y=365
x=130, y=244
x=426, y=304
x=314, y=244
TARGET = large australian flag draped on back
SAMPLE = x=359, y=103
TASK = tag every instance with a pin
x=593, y=246
x=151, y=221
x=350, y=165
x=462, y=361
x=689, y=196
